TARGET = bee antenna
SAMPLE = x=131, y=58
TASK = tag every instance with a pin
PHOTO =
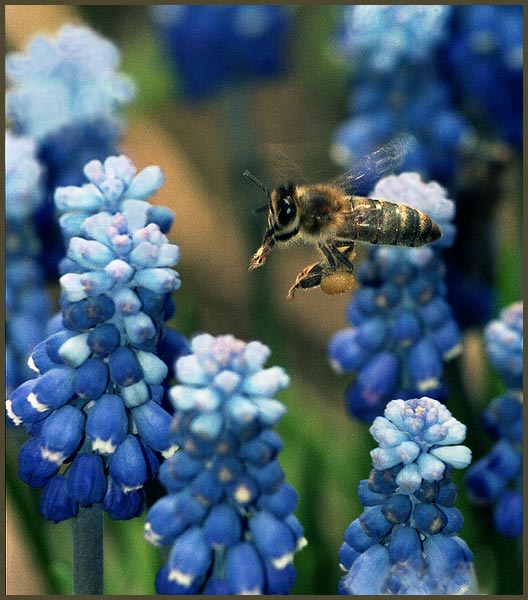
x=258, y=183
x=260, y=209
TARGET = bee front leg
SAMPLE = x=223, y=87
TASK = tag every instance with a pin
x=309, y=277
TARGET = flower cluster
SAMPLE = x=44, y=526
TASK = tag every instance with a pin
x=229, y=513
x=397, y=87
x=496, y=479
x=427, y=71
x=65, y=93
x=405, y=541
x=94, y=412
x=27, y=303
x=216, y=46
x=402, y=329
x=485, y=52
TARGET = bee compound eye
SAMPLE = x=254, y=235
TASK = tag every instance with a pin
x=286, y=211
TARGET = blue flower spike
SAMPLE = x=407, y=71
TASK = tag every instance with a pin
x=496, y=478
x=95, y=410
x=27, y=303
x=405, y=541
x=67, y=94
x=401, y=328
x=398, y=87
x=229, y=514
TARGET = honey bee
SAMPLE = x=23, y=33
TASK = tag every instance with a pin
x=332, y=217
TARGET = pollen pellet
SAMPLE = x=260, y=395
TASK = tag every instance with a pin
x=337, y=283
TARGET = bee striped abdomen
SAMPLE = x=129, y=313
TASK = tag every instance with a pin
x=382, y=222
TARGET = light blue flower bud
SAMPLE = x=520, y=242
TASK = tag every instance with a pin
x=75, y=350
x=146, y=183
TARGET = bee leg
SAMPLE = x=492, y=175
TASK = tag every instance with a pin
x=328, y=254
x=343, y=256
x=309, y=277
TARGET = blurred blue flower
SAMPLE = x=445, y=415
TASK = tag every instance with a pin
x=485, y=52
x=66, y=94
x=405, y=540
x=27, y=302
x=496, y=478
x=397, y=87
x=228, y=516
x=504, y=344
x=402, y=329
x=389, y=36
x=216, y=46
x=427, y=71
x=94, y=412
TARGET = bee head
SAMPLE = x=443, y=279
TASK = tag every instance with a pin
x=282, y=218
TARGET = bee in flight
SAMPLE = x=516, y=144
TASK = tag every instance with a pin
x=332, y=217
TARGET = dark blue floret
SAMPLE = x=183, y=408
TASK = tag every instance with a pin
x=87, y=479
x=88, y=313
x=508, y=514
x=33, y=467
x=91, y=379
x=121, y=505
x=56, y=504
x=103, y=339
x=124, y=367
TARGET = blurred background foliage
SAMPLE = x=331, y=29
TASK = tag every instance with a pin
x=203, y=147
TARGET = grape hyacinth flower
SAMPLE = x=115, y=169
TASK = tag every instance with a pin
x=397, y=87
x=228, y=516
x=94, y=412
x=27, y=303
x=496, y=479
x=402, y=329
x=216, y=46
x=66, y=93
x=405, y=541
x=485, y=52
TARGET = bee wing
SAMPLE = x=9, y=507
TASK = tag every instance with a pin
x=362, y=177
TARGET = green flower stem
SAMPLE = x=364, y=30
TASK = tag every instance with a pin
x=88, y=551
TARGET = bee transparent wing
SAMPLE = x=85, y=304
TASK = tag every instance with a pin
x=362, y=177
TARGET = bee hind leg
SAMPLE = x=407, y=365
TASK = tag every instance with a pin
x=309, y=277
x=344, y=255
